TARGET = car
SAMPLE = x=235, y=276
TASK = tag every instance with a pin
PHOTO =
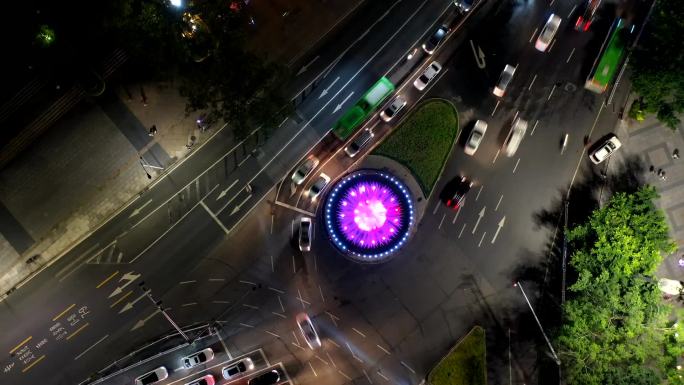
x=504, y=79
x=605, y=149
x=305, y=234
x=475, y=137
x=204, y=380
x=515, y=136
x=435, y=40
x=585, y=19
x=318, y=186
x=455, y=199
x=393, y=109
x=268, y=378
x=237, y=369
x=547, y=33
x=197, y=358
x=430, y=72
x=152, y=377
x=464, y=5
x=359, y=142
x=304, y=170
x=308, y=331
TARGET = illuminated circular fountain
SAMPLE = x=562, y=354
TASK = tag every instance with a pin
x=368, y=215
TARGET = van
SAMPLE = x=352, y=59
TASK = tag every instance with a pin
x=515, y=136
x=359, y=142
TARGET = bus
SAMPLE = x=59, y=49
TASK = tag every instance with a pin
x=365, y=106
x=610, y=59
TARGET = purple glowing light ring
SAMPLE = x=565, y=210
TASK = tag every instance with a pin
x=369, y=215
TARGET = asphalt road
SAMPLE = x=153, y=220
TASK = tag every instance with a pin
x=379, y=323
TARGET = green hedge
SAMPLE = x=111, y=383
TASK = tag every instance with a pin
x=465, y=364
x=423, y=141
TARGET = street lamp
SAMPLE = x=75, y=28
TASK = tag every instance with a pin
x=553, y=352
x=158, y=304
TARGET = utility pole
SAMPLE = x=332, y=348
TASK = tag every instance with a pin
x=553, y=352
x=158, y=304
x=565, y=252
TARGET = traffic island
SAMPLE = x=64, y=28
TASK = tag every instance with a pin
x=423, y=141
x=465, y=364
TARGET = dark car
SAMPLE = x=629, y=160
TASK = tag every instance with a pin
x=584, y=21
x=455, y=198
x=435, y=40
x=269, y=378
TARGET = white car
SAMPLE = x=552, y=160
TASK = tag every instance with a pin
x=237, y=369
x=548, y=32
x=504, y=79
x=430, y=72
x=198, y=358
x=515, y=136
x=475, y=137
x=393, y=109
x=305, y=226
x=157, y=375
x=304, y=170
x=605, y=149
x=318, y=186
x=308, y=331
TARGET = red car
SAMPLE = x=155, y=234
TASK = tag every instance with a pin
x=455, y=199
x=584, y=21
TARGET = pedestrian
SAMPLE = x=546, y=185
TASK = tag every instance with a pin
x=652, y=169
x=660, y=172
x=662, y=176
x=681, y=261
x=153, y=130
x=675, y=153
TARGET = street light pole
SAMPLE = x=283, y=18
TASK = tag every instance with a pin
x=158, y=304
x=555, y=357
x=565, y=252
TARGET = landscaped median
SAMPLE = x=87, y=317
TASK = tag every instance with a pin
x=465, y=364
x=423, y=141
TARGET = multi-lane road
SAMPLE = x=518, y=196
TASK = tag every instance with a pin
x=214, y=251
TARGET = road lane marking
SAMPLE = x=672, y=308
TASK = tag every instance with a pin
x=516, y=165
x=312, y=369
x=302, y=299
x=279, y=315
x=461, y=232
x=331, y=360
x=246, y=325
x=272, y=268
x=570, y=57
x=551, y=93
x=22, y=343
x=496, y=156
x=552, y=43
x=483, y=235
x=442, y=221
x=63, y=312
x=77, y=331
x=457, y=213
x=294, y=265
x=344, y=375
x=320, y=290
x=273, y=334
x=497, y=205
x=534, y=127
x=216, y=279
x=91, y=346
x=121, y=299
x=584, y=149
x=533, y=33
x=478, y=193
x=188, y=304
x=350, y=349
x=248, y=282
x=533, y=79
x=223, y=302
x=299, y=346
x=295, y=336
x=250, y=306
x=382, y=375
x=322, y=360
x=33, y=363
x=572, y=10
x=276, y=290
x=187, y=282
x=334, y=343
x=407, y=367
x=384, y=350
x=67, y=270
x=496, y=106
x=498, y=228
x=367, y=377
x=436, y=208
x=214, y=217
x=280, y=301
x=359, y=332
x=107, y=279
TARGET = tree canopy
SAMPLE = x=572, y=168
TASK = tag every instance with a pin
x=616, y=328
x=657, y=63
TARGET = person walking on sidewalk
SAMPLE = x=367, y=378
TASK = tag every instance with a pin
x=153, y=130
x=675, y=153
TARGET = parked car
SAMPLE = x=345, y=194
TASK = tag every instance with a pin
x=305, y=227
x=318, y=186
x=198, y=358
x=430, y=72
x=435, y=40
x=268, y=378
x=237, y=369
x=605, y=149
x=393, y=109
x=504, y=79
x=204, y=380
x=308, y=331
x=587, y=17
x=475, y=137
x=359, y=142
x=304, y=170
x=515, y=136
x=152, y=377
x=548, y=32
x=456, y=197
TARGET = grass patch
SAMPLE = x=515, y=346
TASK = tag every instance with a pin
x=465, y=363
x=423, y=141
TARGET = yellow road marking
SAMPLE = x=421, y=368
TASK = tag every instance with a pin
x=33, y=363
x=65, y=310
x=107, y=279
x=77, y=331
x=122, y=298
x=21, y=344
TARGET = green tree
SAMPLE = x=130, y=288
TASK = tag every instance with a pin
x=616, y=328
x=657, y=63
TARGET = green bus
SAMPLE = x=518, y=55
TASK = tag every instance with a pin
x=365, y=106
x=610, y=59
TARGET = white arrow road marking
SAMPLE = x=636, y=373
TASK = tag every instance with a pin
x=129, y=305
x=224, y=192
x=339, y=106
x=139, y=209
x=325, y=91
x=128, y=277
x=307, y=65
x=237, y=208
x=141, y=322
x=500, y=225
x=479, y=56
x=479, y=218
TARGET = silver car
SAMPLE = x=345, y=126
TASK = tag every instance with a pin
x=430, y=72
x=475, y=137
x=547, y=34
x=159, y=374
x=304, y=170
x=504, y=80
x=393, y=109
x=515, y=136
x=198, y=358
x=237, y=369
x=318, y=186
x=308, y=331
